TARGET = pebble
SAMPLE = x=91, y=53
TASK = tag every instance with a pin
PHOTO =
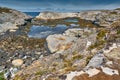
x=17, y=62
x=109, y=71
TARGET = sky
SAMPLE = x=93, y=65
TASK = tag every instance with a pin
x=59, y=5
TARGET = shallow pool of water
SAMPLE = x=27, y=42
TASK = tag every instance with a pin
x=44, y=31
x=71, y=20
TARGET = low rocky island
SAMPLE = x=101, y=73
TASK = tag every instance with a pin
x=60, y=46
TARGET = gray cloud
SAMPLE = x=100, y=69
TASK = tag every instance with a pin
x=60, y=4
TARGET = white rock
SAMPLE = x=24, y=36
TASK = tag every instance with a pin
x=109, y=71
x=96, y=61
x=13, y=71
x=17, y=62
x=88, y=44
x=92, y=72
x=12, y=30
x=109, y=63
x=71, y=75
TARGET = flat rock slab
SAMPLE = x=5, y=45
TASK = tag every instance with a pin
x=59, y=43
x=109, y=71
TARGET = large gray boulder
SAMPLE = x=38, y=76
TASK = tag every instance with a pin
x=10, y=19
x=58, y=43
x=71, y=40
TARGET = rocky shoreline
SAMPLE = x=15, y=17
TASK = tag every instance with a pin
x=84, y=52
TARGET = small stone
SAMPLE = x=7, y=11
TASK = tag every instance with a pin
x=13, y=71
x=38, y=53
x=7, y=75
x=92, y=72
x=17, y=62
x=109, y=71
x=12, y=30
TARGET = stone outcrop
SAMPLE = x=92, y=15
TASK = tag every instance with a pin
x=100, y=17
x=72, y=40
x=55, y=15
x=10, y=19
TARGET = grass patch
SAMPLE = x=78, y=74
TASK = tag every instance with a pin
x=41, y=72
x=118, y=31
x=4, y=9
x=2, y=76
x=77, y=57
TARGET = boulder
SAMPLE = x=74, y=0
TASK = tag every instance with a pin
x=58, y=43
x=10, y=18
x=70, y=41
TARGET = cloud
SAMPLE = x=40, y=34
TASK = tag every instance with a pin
x=75, y=5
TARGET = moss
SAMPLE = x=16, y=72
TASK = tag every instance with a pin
x=101, y=34
x=70, y=68
x=117, y=9
x=118, y=31
x=4, y=9
x=67, y=63
x=86, y=23
x=100, y=40
x=77, y=57
x=2, y=76
x=22, y=77
x=41, y=72
x=99, y=45
x=88, y=59
x=115, y=13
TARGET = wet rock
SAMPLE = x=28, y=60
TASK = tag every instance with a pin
x=17, y=62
